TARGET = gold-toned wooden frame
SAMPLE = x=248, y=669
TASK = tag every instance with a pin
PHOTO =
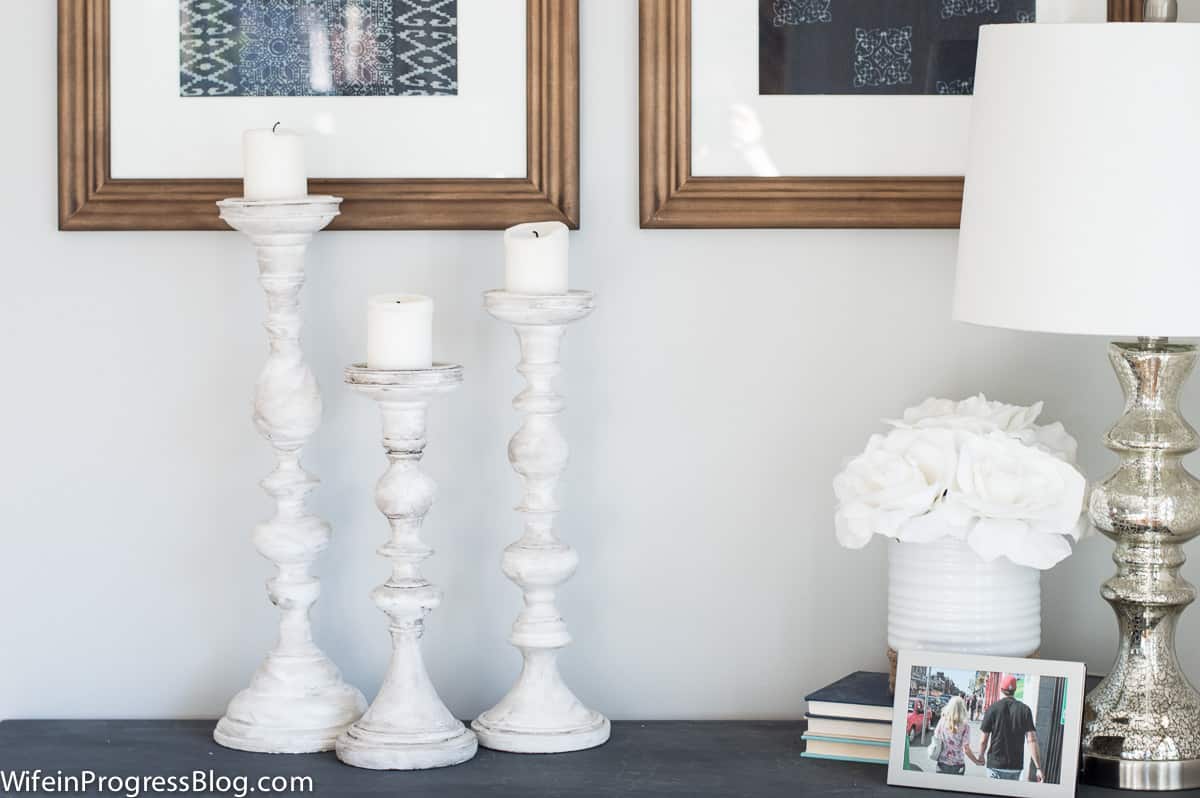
x=89, y=198
x=672, y=197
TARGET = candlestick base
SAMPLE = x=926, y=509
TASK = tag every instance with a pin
x=384, y=750
x=294, y=705
x=541, y=715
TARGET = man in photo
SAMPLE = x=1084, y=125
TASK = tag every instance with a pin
x=1007, y=726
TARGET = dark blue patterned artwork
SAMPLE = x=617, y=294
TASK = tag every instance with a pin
x=875, y=46
x=296, y=48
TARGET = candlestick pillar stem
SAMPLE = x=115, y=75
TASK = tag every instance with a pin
x=407, y=727
x=540, y=714
x=296, y=701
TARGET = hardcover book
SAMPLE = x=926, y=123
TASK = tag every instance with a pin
x=818, y=747
x=863, y=695
x=875, y=730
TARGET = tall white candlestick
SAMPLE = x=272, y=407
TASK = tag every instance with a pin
x=535, y=258
x=273, y=165
x=540, y=714
x=399, y=332
x=296, y=702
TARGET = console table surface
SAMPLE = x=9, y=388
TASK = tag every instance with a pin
x=660, y=758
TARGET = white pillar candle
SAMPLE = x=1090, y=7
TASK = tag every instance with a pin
x=535, y=258
x=273, y=165
x=399, y=332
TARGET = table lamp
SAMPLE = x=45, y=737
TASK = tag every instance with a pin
x=1081, y=215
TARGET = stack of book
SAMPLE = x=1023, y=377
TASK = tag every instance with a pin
x=850, y=720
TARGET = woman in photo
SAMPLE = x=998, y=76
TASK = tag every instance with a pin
x=954, y=733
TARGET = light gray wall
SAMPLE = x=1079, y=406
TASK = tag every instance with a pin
x=712, y=397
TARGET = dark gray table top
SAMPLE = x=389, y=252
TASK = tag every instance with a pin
x=662, y=758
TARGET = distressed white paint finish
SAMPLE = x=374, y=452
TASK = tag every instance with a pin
x=296, y=702
x=540, y=714
x=407, y=727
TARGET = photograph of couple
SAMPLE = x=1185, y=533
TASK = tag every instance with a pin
x=985, y=724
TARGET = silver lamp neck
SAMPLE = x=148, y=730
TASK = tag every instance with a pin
x=1151, y=344
x=1161, y=11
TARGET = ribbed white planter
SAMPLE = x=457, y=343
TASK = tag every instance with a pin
x=943, y=597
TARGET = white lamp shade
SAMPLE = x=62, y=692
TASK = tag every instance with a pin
x=1082, y=204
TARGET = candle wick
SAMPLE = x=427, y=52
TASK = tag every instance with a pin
x=535, y=234
x=276, y=125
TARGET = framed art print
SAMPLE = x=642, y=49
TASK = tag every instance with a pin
x=422, y=114
x=989, y=725
x=816, y=113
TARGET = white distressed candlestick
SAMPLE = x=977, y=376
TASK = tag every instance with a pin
x=540, y=714
x=296, y=702
x=407, y=727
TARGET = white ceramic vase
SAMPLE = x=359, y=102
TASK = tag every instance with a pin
x=943, y=597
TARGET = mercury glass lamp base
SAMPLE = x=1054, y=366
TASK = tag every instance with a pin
x=1141, y=726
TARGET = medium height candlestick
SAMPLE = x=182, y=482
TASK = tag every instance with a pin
x=407, y=727
x=297, y=702
x=540, y=714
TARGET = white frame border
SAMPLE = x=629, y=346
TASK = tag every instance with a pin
x=480, y=133
x=1074, y=672
x=737, y=132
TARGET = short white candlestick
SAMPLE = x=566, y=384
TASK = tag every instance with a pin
x=297, y=702
x=540, y=714
x=407, y=727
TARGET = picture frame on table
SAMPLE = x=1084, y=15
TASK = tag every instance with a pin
x=444, y=114
x=996, y=725
x=723, y=146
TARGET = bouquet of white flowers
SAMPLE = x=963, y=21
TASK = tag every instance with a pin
x=979, y=471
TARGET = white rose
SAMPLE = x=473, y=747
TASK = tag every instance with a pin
x=1052, y=438
x=1007, y=418
x=978, y=415
x=930, y=408
x=899, y=477
x=974, y=414
x=1018, y=501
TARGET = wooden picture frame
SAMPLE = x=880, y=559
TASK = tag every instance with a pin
x=672, y=197
x=89, y=198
